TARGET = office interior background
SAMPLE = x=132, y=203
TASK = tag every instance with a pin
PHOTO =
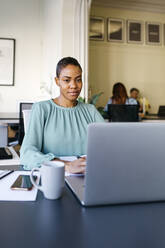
x=46, y=30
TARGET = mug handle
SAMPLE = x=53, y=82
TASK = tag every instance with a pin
x=32, y=180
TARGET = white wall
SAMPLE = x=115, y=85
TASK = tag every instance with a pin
x=62, y=28
x=140, y=66
x=45, y=31
x=75, y=35
x=52, y=43
x=21, y=20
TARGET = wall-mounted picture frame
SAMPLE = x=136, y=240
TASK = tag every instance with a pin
x=163, y=27
x=96, y=29
x=153, y=33
x=7, y=61
x=115, y=30
x=135, y=31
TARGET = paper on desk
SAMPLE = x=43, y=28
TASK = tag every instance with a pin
x=7, y=194
x=71, y=158
x=14, y=161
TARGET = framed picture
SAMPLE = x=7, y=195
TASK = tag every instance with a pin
x=96, y=30
x=115, y=30
x=135, y=31
x=153, y=33
x=7, y=61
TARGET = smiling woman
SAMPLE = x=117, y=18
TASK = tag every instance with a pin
x=58, y=127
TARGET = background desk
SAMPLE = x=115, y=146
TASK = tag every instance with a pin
x=153, y=118
x=65, y=223
x=9, y=118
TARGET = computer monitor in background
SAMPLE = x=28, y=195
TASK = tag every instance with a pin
x=161, y=111
x=123, y=113
x=22, y=106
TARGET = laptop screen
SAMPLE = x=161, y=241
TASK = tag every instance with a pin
x=123, y=113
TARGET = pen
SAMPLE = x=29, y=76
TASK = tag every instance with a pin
x=83, y=156
x=5, y=173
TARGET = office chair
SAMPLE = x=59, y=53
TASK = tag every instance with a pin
x=123, y=113
x=26, y=119
x=22, y=106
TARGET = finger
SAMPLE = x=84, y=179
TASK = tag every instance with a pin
x=83, y=163
x=82, y=158
x=80, y=171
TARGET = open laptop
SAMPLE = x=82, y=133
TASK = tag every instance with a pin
x=123, y=112
x=125, y=164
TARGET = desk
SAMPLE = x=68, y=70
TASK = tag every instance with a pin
x=65, y=223
x=153, y=118
x=9, y=118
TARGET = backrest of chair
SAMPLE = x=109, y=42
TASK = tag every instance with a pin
x=123, y=113
x=26, y=119
x=23, y=106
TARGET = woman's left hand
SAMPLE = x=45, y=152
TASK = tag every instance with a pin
x=77, y=166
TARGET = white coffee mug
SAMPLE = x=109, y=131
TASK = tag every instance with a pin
x=52, y=179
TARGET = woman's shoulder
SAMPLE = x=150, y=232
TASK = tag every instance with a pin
x=86, y=106
x=90, y=111
x=42, y=104
x=42, y=107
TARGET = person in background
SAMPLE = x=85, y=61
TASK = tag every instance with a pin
x=119, y=96
x=143, y=102
x=134, y=93
x=58, y=127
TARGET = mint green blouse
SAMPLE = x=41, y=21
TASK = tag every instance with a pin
x=56, y=131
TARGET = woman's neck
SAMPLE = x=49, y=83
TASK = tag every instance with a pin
x=64, y=103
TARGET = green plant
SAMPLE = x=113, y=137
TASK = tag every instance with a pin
x=93, y=100
x=81, y=99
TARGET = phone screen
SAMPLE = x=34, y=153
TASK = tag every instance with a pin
x=23, y=183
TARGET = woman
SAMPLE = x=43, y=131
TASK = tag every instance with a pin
x=58, y=127
x=119, y=96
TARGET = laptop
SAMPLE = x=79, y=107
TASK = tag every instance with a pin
x=125, y=164
x=161, y=111
x=123, y=112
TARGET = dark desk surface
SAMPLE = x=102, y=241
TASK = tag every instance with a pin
x=65, y=223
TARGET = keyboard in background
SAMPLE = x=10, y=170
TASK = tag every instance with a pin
x=5, y=153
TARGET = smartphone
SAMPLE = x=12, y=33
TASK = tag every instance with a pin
x=23, y=182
